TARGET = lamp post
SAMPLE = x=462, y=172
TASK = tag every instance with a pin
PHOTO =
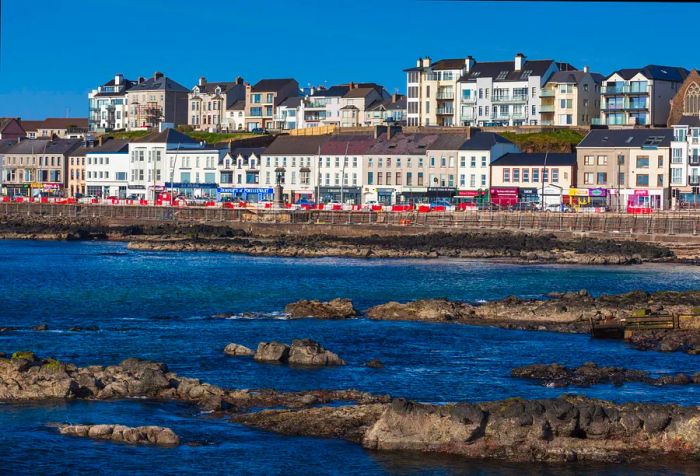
x=279, y=180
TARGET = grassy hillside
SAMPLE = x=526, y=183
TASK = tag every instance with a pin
x=560, y=140
x=209, y=137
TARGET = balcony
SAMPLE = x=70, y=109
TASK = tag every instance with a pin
x=469, y=100
x=546, y=108
x=445, y=111
x=694, y=160
x=445, y=96
x=509, y=99
x=314, y=105
x=626, y=89
x=547, y=93
x=693, y=180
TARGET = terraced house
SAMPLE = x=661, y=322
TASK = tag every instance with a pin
x=263, y=98
x=208, y=104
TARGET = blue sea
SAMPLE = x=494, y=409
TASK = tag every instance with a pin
x=159, y=306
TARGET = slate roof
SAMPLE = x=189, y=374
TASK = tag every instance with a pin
x=359, y=92
x=161, y=84
x=452, y=63
x=127, y=85
x=573, y=77
x=333, y=91
x=483, y=141
x=403, y=144
x=210, y=88
x=168, y=136
x=355, y=144
x=295, y=145
x=292, y=102
x=448, y=142
x=64, y=123
x=525, y=159
x=45, y=146
x=691, y=121
x=30, y=125
x=5, y=121
x=399, y=104
x=627, y=138
x=247, y=151
x=237, y=106
x=109, y=146
x=265, y=85
x=653, y=71
x=6, y=144
x=505, y=70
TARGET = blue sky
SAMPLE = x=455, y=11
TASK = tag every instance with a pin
x=55, y=51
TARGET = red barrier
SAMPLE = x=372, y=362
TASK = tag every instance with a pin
x=115, y=201
x=305, y=206
x=210, y=204
x=439, y=208
x=401, y=208
x=337, y=208
x=424, y=208
x=19, y=199
x=242, y=204
x=268, y=205
x=143, y=202
x=377, y=208
x=129, y=201
x=227, y=205
x=6, y=199
x=94, y=200
x=70, y=200
x=44, y=199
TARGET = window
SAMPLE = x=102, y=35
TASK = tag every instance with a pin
x=462, y=182
x=602, y=160
x=535, y=175
x=660, y=180
x=588, y=178
x=483, y=180
x=526, y=175
x=676, y=176
x=555, y=175
x=472, y=163
x=516, y=175
x=420, y=179
x=472, y=180
x=506, y=175
x=642, y=180
x=676, y=156
x=398, y=178
x=370, y=178
x=660, y=163
x=462, y=161
x=409, y=178
x=388, y=178
x=643, y=163
x=483, y=161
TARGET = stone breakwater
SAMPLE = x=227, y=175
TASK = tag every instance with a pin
x=140, y=435
x=555, y=375
x=400, y=243
x=564, y=429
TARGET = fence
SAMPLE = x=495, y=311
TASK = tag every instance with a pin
x=612, y=224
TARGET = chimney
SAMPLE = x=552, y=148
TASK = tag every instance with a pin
x=419, y=62
x=141, y=79
x=394, y=97
x=202, y=81
x=157, y=75
x=118, y=79
x=519, y=61
x=238, y=80
x=469, y=63
x=426, y=61
x=585, y=69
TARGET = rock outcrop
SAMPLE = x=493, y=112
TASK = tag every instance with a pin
x=309, y=352
x=301, y=352
x=421, y=310
x=335, y=309
x=237, y=350
x=668, y=340
x=140, y=435
x=555, y=375
x=272, y=352
x=564, y=429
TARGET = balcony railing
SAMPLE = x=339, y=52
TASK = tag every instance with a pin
x=693, y=179
x=546, y=108
x=546, y=93
x=445, y=96
x=445, y=111
x=626, y=89
x=693, y=160
x=314, y=105
x=469, y=100
x=509, y=99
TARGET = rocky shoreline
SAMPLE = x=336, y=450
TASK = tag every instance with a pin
x=564, y=429
x=511, y=246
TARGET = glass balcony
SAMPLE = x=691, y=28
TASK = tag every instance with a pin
x=546, y=93
x=445, y=95
x=546, y=108
x=442, y=111
x=509, y=99
x=469, y=99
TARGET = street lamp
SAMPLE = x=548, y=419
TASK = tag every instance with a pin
x=279, y=180
x=544, y=171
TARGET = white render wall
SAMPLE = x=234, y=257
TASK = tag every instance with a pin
x=109, y=171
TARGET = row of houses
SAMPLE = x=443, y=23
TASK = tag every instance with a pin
x=656, y=168
x=465, y=92
x=278, y=104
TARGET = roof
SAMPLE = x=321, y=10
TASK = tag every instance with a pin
x=272, y=84
x=627, y=138
x=109, y=146
x=692, y=121
x=483, y=141
x=295, y=145
x=162, y=83
x=456, y=63
x=30, y=125
x=448, y=142
x=653, y=71
x=399, y=104
x=353, y=144
x=574, y=77
x=168, y=136
x=359, y=92
x=44, y=146
x=247, y=151
x=403, y=144
x=292, y=102
x=525, y=159
x=210, y=88
x=333, y=91
x=505, y=70
x=5, y=121
x=238, y=105
x=127, y=83
x=64, y=123
x=6, y=144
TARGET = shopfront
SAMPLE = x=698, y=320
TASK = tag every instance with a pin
x=504, y=196
x=468, y=199
x=644, y=201
x=528, y=195
x=17, y=189
x=252, y=195
x=414, y=195
x=192, y=190
x=46, y=189
x=349, y=195
x=385, y=196
x=554, y=195
x=588, y=199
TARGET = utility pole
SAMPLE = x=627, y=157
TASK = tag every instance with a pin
x=544, y=171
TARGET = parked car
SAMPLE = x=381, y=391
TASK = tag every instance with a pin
x=523, y=207
x=259, y=130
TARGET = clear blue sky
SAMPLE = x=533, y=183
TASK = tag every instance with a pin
x=55, y=51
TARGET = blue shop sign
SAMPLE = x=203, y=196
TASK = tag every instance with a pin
x=189, y=185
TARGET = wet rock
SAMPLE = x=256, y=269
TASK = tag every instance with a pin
x=87, y=328
x=272, y=352
x=309, y=352
x=8, y=329
x=237, y=350
x=336, y=309
x=140, y=435
x=40, y=327
x=422, y=310
x=375, y=364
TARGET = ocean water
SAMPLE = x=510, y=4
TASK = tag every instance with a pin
x=159, y=306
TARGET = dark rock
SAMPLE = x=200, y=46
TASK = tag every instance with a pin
x=272, y=352
x=40, y=327
x=336, y=309
x=309, y=352
x=141, y=435
x=375, y=364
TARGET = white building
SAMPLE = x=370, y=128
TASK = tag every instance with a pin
x=239, y=176
x=107, y=169
x=108, y=105
x=685, y=161
x=475, y=157
x=193, y=172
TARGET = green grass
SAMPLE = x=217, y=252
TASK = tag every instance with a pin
x=208, y=137
x=25, y=354
x=559, y=140
x=52, y=364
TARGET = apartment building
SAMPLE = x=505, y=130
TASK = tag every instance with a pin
x=239, y=176
x=193, y=172
x=108, y=108
x=626, y=168
x=640, y=96
x=107, y=169
x=571, y=98
x=39, y=166
x=356, y=102
x=11, y=128
x=149, y=167
x=387, y=112
x=294, y=160
x=263, y=98
x=289, y=114
x=321, y=107
x=474, y=164
x=684, y=118
x=432, y=89
x=155, y=101
x=341, y=168
x=209, y=103
x=542, y=178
